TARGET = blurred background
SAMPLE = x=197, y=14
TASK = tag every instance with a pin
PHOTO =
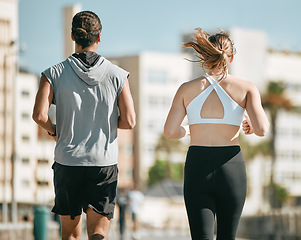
x=144, y=38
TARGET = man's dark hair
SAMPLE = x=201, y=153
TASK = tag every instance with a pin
x=86, y=26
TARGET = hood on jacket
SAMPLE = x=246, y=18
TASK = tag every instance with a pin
x=92, y=75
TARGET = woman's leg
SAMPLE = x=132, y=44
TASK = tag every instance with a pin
x=231, y=192
x=198, y=194
x=201, y=216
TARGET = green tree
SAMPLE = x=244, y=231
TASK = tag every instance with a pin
x=274, y=101
x=157, y=172
x=164, y=166
x=281, y=195
x=163, y=169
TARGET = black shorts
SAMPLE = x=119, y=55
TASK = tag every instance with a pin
x=79, y=187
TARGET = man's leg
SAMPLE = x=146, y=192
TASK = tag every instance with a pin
x=135, y=222
x=71, y=229
x=97, y=225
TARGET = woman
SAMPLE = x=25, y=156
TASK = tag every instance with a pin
x=215, y=176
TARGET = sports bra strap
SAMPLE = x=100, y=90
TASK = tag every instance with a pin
x=210, y=80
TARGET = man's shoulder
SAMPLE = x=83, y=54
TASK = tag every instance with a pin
x=56, y=70
x=113, y=68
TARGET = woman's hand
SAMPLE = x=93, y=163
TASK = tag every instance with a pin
x=247, y=126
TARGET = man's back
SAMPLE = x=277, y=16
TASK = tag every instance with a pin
x=86, y=111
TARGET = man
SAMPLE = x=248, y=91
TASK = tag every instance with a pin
x=93, y=99
x=122, y=202
x=135, y=200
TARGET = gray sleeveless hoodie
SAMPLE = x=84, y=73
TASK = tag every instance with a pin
x=86, y=111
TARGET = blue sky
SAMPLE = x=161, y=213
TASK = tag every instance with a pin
x=132, y=26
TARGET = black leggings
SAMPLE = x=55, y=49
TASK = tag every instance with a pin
x=214, y=185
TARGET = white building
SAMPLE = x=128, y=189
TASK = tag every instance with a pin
x=25, y=158
x=8, y=52
x=33, y=149
x=154, y=79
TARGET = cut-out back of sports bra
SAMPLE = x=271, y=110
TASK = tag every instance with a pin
x=233, y=112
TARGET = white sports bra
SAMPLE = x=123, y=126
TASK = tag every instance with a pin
x=233, y=113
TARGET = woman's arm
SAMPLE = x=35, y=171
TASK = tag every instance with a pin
x=42, y=103
x=127, y=118
x=177, y=112
x=257, y=121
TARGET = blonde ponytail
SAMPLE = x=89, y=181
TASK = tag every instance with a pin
x=214, y=52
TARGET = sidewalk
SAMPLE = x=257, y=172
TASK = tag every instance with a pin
x=148, y=234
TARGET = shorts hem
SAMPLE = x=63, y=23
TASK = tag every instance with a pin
x=109, y=215
x=72, y=216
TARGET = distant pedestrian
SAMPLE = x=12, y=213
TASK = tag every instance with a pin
x=122, y=202
x=135, y=200
x=93, y=99
x=215, y=176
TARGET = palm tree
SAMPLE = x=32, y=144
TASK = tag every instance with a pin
x=275, y=100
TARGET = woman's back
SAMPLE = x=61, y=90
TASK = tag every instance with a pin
x=217, y=132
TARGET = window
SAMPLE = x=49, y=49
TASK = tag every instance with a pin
x=42, y=183
x=151, y=125
x=295, y=87
x=25, y=93
x=25, y=116
x=43, y=161
x=152, y=101
x=25, y=183
x=296, y=132
x=155, y=76
x=159, y=102
x=25, y=160
x=25, y=138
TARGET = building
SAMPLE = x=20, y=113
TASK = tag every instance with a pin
x=154, y=79
x=255, y=62
x=285, y=66
x=69, y=44
x=33, y=150
x=8, y=66
x=126, y=159
x=26, y=156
